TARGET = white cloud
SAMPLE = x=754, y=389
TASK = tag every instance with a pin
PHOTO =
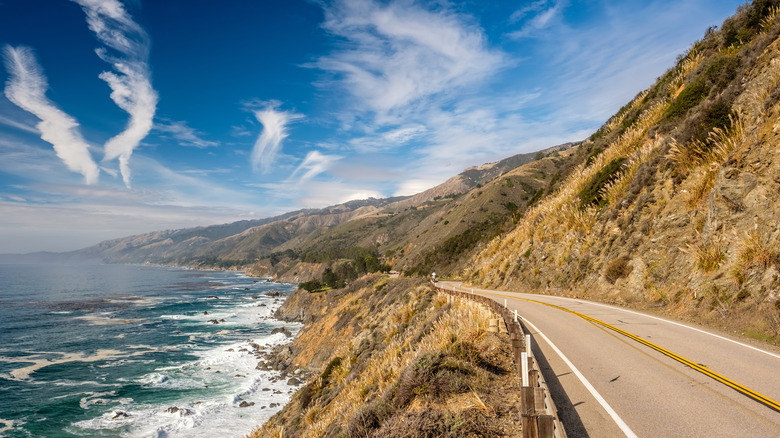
x=271, y=138
x=399, y=54
x=19, y=125
x=544, y=13
x=184, y=134
x=26, y=88
x=314, y=164
x=415, y=186
x=130, y=83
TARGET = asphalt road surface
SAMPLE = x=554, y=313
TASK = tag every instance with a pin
x=625, y=373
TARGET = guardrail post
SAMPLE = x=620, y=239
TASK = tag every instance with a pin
x=524, y=367
x=529, y=427
x=528, y=346
x=545, y=426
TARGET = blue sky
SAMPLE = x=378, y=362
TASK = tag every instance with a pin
x=121, y=117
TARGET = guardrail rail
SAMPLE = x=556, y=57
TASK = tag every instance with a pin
x=537, y=410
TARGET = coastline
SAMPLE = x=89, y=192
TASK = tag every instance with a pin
x=176, y=351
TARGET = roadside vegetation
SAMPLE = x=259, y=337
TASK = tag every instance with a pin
x=393, y=358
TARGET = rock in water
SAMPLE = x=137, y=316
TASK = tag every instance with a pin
x=282, y=330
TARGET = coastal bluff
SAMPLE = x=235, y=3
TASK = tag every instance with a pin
x=392, y=355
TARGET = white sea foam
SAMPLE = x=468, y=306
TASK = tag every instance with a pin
x=38, y=361
x=6, y=425
x=228, y=377
x=217, y=382
x=104, y=320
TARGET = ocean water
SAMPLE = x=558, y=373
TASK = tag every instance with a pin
x=133, y=351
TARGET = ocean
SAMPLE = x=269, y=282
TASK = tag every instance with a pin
x=136, y=351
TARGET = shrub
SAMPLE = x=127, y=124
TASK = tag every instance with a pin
x=591, y=193
x=537, y=196
x=688, y=98
x=709, y=256
x=312, y=286
x=617, y=268
x=336, y=362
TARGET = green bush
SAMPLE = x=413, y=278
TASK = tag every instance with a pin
x=688, y=98
x=591, y=193
x=592, y=156
x=311, y=286
x=537, y=196
x=329, y=369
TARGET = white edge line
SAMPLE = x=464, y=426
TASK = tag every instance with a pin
x=619, y=421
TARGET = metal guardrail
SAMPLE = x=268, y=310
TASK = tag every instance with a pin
x=537, y=410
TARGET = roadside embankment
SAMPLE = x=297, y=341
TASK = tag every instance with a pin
x=391, y=356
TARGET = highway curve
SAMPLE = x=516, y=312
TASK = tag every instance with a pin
x=617, y=372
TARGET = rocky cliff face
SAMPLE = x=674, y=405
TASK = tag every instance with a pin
x=678, y=208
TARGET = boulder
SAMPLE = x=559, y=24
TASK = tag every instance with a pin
x=293, y=381
x=282, y=330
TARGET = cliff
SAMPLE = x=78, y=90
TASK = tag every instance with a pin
x=675, y=208
x=389, y=356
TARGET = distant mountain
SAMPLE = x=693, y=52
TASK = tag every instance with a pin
x=242, y=243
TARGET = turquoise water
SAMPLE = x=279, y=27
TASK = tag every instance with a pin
x=114, y=350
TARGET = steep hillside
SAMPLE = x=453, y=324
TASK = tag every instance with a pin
x=390, y=358
x=676, y=205
x=439, y=234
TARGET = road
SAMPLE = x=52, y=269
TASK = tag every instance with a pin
x=607, y=383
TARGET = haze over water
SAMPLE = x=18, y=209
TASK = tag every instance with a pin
x=108, y=350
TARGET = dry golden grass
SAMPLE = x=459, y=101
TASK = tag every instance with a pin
x=769, y=20
x=688, y=64
x=754, y=251
x=559, y=214
x=465, y=321
x=708, y=251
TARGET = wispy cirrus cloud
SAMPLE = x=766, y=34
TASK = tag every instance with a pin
x=314, y=164
x=535, y=17
x=399, y=54
x=184, y=134
x=274, y=133
x=26, y=88
x=130, y=82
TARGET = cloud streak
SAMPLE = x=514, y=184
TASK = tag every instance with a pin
x=184, y=134
x=314, y=164
x=399, y=54
x=130, y=82
x=26, y=88
x=544, y=12
x=274, y=133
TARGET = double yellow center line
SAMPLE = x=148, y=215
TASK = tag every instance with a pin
x=766, y=401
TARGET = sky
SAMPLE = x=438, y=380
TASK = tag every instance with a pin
x=119, y=117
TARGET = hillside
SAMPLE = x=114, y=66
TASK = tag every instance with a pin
x=237, y=245
x=671, y=205
x=390, y=357
x=676, y=206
